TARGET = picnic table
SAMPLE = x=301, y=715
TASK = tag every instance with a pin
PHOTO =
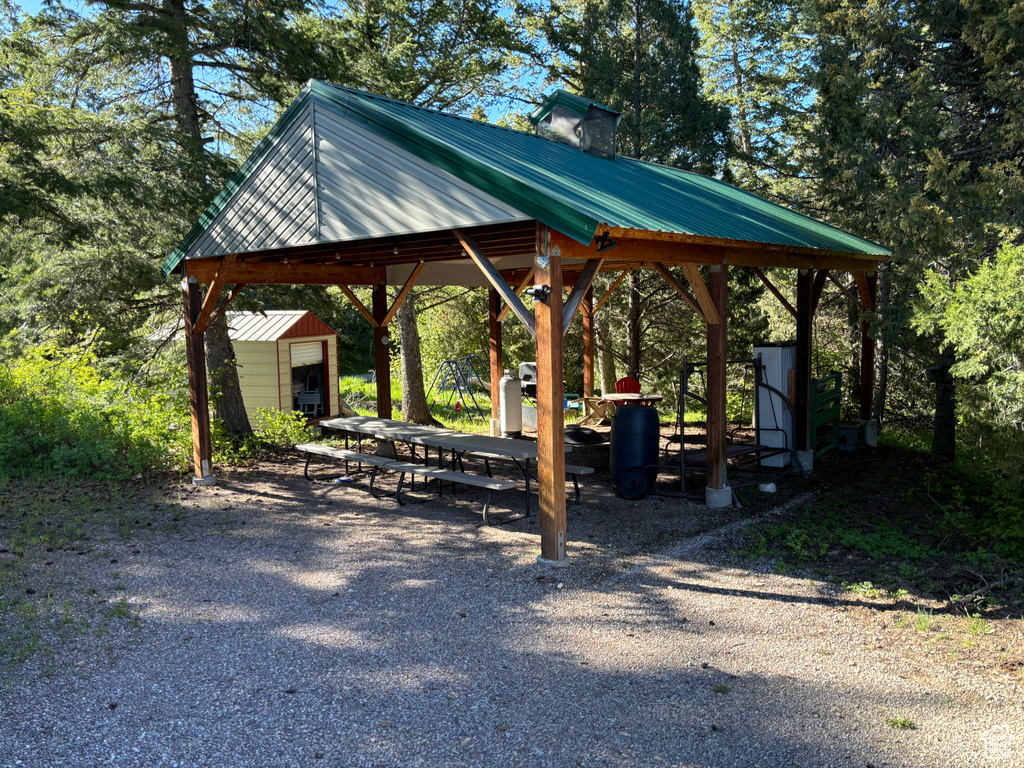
x=459, y=443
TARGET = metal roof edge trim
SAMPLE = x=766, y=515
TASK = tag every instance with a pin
x=235, y=182
x=545, y=208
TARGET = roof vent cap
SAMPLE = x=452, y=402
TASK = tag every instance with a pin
x=578, y=122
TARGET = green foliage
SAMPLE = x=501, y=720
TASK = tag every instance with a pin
x=982, y=316
x=62, y=415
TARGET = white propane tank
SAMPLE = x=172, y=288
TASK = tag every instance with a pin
x=510, y=405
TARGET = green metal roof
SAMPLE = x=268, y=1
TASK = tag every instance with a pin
x=565, y=188
x=571, y=101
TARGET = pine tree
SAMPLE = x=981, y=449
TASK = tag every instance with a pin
x=920, y=146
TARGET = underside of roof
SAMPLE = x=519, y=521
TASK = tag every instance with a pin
x=343, y=165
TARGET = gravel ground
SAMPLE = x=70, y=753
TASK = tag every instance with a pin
x=270, y=622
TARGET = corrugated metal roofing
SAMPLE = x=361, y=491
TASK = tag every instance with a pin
x=567, y=189
x=257, y=326
x=275, y=205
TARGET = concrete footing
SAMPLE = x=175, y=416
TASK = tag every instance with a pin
x=717, y=498
x=806, y=459
x=205, y=480
x=563, y=563
x=871, y=433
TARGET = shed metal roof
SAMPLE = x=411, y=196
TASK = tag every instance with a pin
x=569, y=190
x=263, y=326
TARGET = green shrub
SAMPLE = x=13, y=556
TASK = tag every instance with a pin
x=61, y=415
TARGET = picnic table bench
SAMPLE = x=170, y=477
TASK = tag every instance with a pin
x=403, y=468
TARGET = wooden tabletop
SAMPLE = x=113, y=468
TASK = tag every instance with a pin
x=419, y=434
x=624, y=398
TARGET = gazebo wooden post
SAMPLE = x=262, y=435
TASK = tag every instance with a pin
x=867, y=351
x=494, y=333
x=381, y=351
x=718, y=493
x=802, y=384
x=550, y=426
x=588, y=342
x=198, y=397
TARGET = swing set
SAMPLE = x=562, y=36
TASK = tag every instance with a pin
x=456, y=377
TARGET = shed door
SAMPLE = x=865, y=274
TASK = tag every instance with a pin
x=307, y=353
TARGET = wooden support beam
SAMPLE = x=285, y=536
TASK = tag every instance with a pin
x=250, y=270
x=212, y=295
x=775, y=291
x=816, y=289
x=802, y=394
x=700, y=292
x=608, y=293
x=227, y=303
x=497, y=281
x=494, y=334
x=853, y=299
x=671, y=280
x=867, y=349
x=581, y=286
x=588, y=342
x=718, y=292
x=374, y=323
x=519, y=292
x=382, y=352
x=642, y=246
x=550, y=417
x=864, y=289
x=198, y=395
x=403, y=294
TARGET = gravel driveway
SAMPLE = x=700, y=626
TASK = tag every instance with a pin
x=277, y=623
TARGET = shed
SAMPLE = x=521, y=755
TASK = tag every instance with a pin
x=287, y=360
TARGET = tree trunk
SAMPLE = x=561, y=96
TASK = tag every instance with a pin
x=944, y=436
x=882, y=348
x=228, y=405
x=633, y=327
x=605, y=358
x=223, y=373
x=414, y=397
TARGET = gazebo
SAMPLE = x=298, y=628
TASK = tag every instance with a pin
x=353, y=189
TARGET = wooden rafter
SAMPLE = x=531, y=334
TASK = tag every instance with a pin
x=496, y=280
x=359, y=305
x=846, y=293
x=223, y=307
x=519, y=292
x=700, y=291
x=582, y=285
x=864, y=290
x=403, y=294
x=608, y=293
x=775, y=291
x=671, y=280
x=213, y=294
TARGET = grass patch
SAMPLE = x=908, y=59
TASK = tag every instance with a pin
x=902, y=723
x=882, y=528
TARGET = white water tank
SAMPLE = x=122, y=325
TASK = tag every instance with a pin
x=510, y=405
x=771, y=414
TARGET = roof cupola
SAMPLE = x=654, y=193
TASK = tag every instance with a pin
x=578, y=122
